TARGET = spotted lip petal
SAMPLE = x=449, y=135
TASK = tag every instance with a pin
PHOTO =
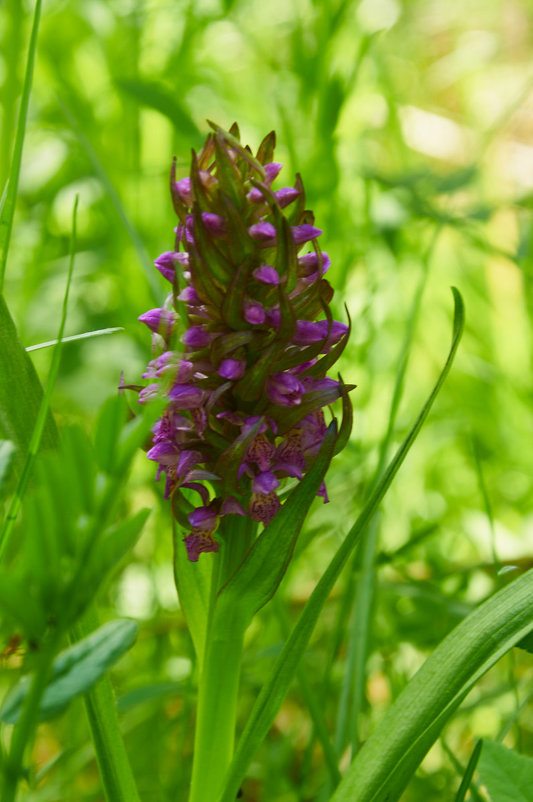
x=246, y=383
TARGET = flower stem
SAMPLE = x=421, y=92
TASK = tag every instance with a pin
x=219, y=679
x=217, y=709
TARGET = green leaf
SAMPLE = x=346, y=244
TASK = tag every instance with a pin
x=384, y=766
x=507, y=776
x=75, y=670
x=7, y=454
x=265, y=151
x=282, y=673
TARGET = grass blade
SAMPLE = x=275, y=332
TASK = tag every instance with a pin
x=8, y=205
x=273, y=692
x=87, y=335
x=469, y=772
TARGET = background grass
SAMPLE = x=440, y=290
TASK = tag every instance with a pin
x=411, y=124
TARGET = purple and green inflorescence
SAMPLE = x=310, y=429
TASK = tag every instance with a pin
x=242, y=345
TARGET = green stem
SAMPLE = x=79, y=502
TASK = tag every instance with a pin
x=220, y=670
x=24, y=729
x=217, y=708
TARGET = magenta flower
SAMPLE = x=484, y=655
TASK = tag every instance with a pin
x=246, y=384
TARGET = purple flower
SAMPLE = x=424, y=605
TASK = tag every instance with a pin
x=199, y=542
x=160, y=321
x=254, y=313
x=189, y=296
x=305, y=233
x=262, y=508
x=284, y=389
x=240, y=387
x=203, y=518
x=310, y=262
x=166, y=263
x=231, y=369
x=148, y=393
x=186, y=396
x=263, y=232
x=230, y=506
x=272, y=171
x=183, y=188
x=261, y=451
x=265, y=483
x=196, y=337
x=308, y=332
x=266, y=275
x=286, y=195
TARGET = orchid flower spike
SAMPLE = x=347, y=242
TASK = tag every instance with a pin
x=242, y=345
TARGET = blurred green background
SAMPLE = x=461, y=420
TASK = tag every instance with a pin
x=412, y=126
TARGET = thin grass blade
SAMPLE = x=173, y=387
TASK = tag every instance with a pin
x=8, y=200
x=469, y=772
x=86, y=335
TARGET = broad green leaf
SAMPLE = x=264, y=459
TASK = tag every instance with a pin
x=385, y=764
x=506, y=775
x=275, y=689
x=75, y=670
x=7, y=454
